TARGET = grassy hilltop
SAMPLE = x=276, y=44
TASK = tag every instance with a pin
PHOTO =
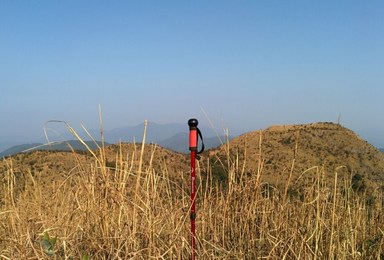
x=300, y=151
x=295, y=192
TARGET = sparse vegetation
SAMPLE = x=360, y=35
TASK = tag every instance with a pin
x=132, y=202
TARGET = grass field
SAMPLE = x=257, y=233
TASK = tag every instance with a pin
x=137, y=208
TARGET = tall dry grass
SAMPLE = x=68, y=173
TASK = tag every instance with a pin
x=137, y=211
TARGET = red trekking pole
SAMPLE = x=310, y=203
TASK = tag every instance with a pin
x=194, y=132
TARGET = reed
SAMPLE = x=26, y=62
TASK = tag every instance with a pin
x=135, y=210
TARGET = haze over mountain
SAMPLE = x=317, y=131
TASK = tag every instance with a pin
x=302, y=151
x=57, y=146
x=172, y=136
x=291, y=172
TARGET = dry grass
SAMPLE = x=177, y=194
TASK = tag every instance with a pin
x=139, y=209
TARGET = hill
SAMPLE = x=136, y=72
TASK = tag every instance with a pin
x=56, y=164
x=133, y=200
x=155, y=156
x=323, y=148
x=59, y=146
x=155, y=133
x=171, y=136
x=18, y=149
x=302, y=151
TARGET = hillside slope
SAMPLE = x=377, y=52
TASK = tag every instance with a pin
x=320, y=147
x=133, y=201
x=55, y=165
x=302, y=151
x=57, y=146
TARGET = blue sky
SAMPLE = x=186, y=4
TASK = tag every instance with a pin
x=247, y=64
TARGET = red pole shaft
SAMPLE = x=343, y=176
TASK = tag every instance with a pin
x=193, y=148
x=193, y=204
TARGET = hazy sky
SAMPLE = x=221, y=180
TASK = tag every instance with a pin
x=247, y=64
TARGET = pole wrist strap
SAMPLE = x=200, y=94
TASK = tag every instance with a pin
x=202, y=142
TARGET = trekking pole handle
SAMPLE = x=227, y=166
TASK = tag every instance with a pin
x=193, y=134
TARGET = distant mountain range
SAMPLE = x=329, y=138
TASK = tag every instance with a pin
x=162, y=134
x=60, y=146
x=179, y=142
x=172, y=136
x=313, y=149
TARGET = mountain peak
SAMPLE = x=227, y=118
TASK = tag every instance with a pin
x=325, y=146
